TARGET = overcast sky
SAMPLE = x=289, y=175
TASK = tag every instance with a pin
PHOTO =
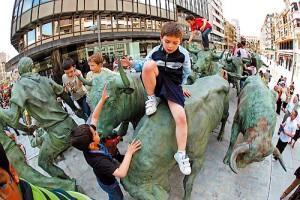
x=250, y=13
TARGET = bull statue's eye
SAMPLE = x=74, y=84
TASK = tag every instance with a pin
x=3, y=185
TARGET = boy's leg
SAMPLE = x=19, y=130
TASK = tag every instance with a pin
x=205, y=39
x=114, y=191
x=149, y=74
x=179, y=116
x=84, y=105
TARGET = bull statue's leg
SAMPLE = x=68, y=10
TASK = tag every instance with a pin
x=238, y=87
x=234, y=134
x=188, y=181
x=223, y=123
x=48, y=153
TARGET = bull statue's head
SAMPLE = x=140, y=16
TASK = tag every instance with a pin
x=256, y=146
x=126, y=100
x=207, y=63
x=256, y=124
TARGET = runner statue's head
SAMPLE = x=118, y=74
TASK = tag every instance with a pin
x=25, y=65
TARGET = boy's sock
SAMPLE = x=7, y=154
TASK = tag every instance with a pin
x=181, y=152
x=152, y=97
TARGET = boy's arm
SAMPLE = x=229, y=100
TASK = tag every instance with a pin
x=204, y=24
x=99, y=106
x=84, y=81
x=192, y=35
x=78, y=73
x=186, y=65
x=121, y=172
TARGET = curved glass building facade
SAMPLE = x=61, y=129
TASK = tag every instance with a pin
x=49, y=30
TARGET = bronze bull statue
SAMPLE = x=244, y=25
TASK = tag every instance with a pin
x=207, y=107
x=255, y=118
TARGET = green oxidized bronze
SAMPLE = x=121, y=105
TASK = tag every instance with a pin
x=207, y=107
x=204, y=63
x=38, y=95
x=255, y=118
x=17, y=158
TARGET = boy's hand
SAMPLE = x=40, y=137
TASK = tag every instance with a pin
x=134, y=146
x=104, y=93
x=77, y=73
x=186, y=92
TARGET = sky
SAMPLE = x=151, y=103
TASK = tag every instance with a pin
x=250, y=13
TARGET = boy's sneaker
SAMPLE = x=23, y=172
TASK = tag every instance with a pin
x=183, y=162
x=151, y=105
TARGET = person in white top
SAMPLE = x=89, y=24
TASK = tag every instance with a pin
x=289, y=108
x=242, y=52
x=288, y=130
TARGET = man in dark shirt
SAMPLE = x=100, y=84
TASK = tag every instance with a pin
x=86, y=139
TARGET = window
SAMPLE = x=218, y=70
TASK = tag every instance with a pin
x=47, y=30
x=87, y=23
x=27, y=5
x=77, y=24
x=153, y=3
x=66, y=26
x=136, y=23
x=20, y=8
x=35, y=2
x=31, y=37
x=44, y=1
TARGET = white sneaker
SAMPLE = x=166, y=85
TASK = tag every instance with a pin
x=151, y=106
x=184, y=163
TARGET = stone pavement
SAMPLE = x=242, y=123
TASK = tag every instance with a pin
x=259, y=181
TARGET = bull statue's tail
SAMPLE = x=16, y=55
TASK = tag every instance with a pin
x=277, y=154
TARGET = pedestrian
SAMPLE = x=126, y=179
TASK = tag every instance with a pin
x=287, y=131
x=292, y=88
x=202, y=25
x=73, y=85
x=166, y=69
x=292, y=186
x=86, y=139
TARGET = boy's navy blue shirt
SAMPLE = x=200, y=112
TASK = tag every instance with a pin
x=103, y=166
x=177, y=64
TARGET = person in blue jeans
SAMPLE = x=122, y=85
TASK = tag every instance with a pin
x=86, y=139
x=202, y=25
x=74, y=86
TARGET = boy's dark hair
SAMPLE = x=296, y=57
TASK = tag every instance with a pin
x=81, y=137
x=68, y=63
x=4, y=163
x=243, y=42
x=189, y=17
x=171, y=29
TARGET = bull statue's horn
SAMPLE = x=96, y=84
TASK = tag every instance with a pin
x=222, y=54
x=264, y=64
x=241, y=148
x=246, y=60
x=277, y=154
x=125, y=80
x=123, y=74
x=227, y=55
